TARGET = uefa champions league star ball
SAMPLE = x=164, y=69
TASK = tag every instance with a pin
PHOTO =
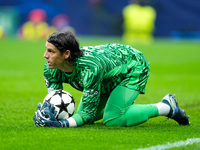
x=64, y=103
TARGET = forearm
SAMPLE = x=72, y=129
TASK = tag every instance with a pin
x=71, y=122
x=74, y=121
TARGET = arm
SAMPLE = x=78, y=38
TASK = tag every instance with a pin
x=91, y=80
x=90, y=102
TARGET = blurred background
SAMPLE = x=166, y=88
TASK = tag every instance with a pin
x=129, y=19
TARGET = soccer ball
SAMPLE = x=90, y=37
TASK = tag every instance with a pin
x=64, y=103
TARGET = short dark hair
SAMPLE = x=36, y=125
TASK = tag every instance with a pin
x=66, y=40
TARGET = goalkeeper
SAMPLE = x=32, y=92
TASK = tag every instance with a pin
x=111, y=77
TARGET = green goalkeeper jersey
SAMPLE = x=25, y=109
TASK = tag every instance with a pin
x=98, y=71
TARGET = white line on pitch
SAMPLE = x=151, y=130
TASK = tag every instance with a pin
x=172, y=145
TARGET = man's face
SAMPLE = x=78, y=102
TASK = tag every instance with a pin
x=53, y=57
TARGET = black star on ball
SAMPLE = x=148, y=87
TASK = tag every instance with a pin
x=62, y=106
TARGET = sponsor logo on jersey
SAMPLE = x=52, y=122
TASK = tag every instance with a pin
x=90, y=93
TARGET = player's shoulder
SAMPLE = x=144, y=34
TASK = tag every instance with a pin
x=102, y=46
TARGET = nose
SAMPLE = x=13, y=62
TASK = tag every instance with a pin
x=46, y=54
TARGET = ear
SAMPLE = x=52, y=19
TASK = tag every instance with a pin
x=67, y=54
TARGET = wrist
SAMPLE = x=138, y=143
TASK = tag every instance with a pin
x=64, y=123
x=72, y=122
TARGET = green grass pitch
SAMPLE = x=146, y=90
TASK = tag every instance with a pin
x=175, y=68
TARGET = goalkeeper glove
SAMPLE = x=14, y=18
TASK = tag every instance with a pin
x=39, y=107
x=46, y=117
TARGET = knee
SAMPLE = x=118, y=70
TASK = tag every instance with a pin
x=113, y=118
x=114, y=122
x=112, y=115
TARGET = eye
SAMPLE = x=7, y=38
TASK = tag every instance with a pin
x=50, y=51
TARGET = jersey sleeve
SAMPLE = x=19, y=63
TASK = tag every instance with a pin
x=53, y=78
x=91, y=80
